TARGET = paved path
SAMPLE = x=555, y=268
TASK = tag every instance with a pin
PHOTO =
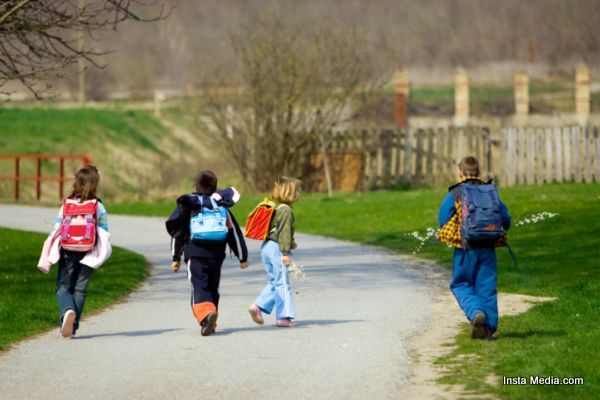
x=356, y=308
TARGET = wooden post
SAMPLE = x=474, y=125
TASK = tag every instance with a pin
x=461, y=97
x=558, y=153
x=582, y=92
x=61, y=177
x=16, y=188
x=408, y=159
x=521, y=94
x=38, y=179
x=549, y=159
x=567, y=137
x=401, y=87
x=530, y=156
x=159, y=97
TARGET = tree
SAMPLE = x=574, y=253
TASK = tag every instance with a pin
x=40, y=39
x=297, y=83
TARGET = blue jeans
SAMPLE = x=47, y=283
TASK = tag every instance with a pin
x=277, y=293
x=474, y=283
x=71, y=284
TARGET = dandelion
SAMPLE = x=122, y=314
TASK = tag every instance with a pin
x=430, y=234
x=535, y=218
x=297, y=271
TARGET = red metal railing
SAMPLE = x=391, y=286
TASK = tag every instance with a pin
x=39, y=178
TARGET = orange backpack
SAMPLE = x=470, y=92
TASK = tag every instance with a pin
x=259, y=220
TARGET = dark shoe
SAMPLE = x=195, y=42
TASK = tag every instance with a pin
x=208, y=324
x=488, y=333
x=478, y=328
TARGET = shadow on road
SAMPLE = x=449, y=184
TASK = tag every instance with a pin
x=301, y=324
x=132, y=333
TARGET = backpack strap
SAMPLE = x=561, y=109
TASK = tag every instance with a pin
x=89, y=226
x=65, y=227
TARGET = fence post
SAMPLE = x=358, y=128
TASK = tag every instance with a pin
x=38, y=179
x=61, y=174
x=461, y=97
x=582, y=92
x=401, y=87
x=16, y=188
x=521, y=94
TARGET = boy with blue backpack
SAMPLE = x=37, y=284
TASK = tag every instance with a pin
x=474, y=221
x=200, y=227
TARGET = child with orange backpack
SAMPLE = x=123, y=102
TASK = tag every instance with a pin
x=276, y=256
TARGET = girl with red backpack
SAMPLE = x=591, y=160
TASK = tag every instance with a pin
x=80, y=224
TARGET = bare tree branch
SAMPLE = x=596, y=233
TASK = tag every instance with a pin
x=39, y=38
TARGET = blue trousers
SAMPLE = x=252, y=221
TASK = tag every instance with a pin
x=72, y=284
x=277, y=293
x=474, y=283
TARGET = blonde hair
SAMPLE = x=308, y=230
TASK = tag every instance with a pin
x=86, y=183
x=286, y=190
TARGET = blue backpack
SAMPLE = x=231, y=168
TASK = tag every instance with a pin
x=209, y=224
x=481, y=222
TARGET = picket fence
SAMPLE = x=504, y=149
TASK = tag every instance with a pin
x=368, y=159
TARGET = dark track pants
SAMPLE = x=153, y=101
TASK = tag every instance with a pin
x=204, y=275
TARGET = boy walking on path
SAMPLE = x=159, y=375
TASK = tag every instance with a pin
x=469, y=204
x=201, y=226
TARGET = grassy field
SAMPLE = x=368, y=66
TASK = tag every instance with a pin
x=28, y=305
x=556, y=257
x=125, y=145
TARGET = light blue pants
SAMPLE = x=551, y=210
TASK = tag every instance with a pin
x=278, y=292
x=474, y=283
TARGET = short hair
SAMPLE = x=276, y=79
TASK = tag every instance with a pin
x=86, y=183
x=469, y=166
x=286, y=190
x=206, y=182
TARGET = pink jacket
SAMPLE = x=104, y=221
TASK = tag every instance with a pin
x=93, y=258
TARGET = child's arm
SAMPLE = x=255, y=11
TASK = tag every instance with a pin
x=447, y=209
x=178, y=230
x=236, y=242
x=227, y=197
x=58, y=219
x=102, y=217
x=506, y=217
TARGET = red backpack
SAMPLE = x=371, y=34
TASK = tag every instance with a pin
x=259, y=220
x=78, y=228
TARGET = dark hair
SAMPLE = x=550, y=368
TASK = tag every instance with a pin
x=469, y=166
x=86, y=183
x=206, y=182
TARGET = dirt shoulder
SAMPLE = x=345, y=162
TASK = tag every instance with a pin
x=436, y=339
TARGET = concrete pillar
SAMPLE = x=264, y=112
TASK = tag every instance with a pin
x=401, y=89
x=461, y=97
x=521, y=94
x=582, y=91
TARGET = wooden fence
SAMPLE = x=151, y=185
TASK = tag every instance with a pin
x=368, y=159
x=544, y=155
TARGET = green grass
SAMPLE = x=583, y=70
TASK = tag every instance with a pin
x=77, y=130
x=28, y=305
x=556, y=257
x=109, y=136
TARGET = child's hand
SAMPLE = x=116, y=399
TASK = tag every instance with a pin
x=244, y=265
x=294, y=245
x=286, y=260
x=175, y=266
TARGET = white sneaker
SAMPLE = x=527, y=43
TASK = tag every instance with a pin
x=66, y=330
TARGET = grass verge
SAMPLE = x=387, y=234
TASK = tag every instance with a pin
x=28, y=305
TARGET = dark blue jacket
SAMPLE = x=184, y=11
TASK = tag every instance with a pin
x=178, y=227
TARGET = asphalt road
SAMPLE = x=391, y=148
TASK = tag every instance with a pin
x=356, y=308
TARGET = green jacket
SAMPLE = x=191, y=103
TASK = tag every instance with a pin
x=282, y=228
